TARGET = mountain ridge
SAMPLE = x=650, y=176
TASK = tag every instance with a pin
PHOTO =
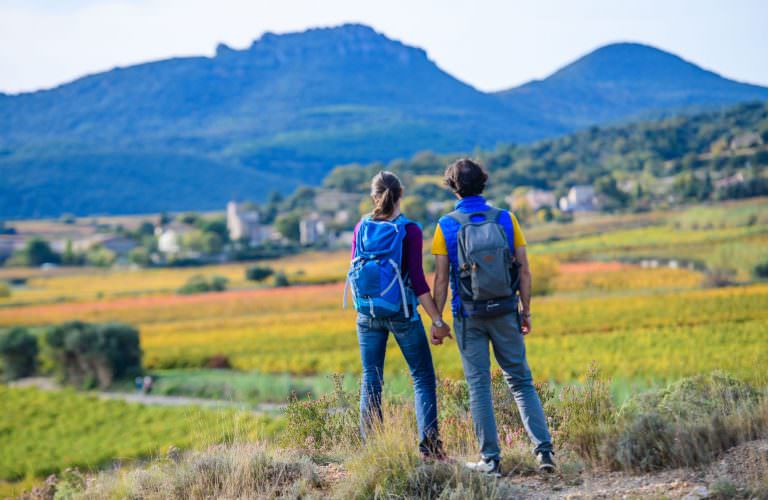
x=297, y=104
x=623, y=80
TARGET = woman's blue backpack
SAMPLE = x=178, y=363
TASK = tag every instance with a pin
x=379, y=288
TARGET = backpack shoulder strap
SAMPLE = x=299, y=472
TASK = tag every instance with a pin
x=491, y=213
x=359, y=234
x=460, y=217
x=495, y=214
x=403, y=221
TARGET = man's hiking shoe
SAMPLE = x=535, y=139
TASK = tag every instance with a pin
x=546, y=464
x=491, y=467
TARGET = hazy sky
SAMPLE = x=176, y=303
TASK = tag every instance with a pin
x=489, y=44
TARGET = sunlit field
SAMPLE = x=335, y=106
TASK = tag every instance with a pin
x=639, y=323
x=45, y=432
x=68, y=285
x=303, y=330
x=642, y=324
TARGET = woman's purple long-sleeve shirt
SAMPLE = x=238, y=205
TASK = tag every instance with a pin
x=412, y=247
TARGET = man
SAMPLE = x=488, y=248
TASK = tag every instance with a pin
x=480, y=317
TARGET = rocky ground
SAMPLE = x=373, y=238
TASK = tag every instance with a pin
x=736, y=474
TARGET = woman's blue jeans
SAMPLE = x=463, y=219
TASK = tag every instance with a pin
x=372, y=333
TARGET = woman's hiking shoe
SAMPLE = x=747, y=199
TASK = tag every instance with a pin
x=491, y=467
x=437, y=455
x=432, y=451
x=546, y=464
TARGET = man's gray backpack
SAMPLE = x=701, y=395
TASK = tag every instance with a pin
x=488, y=276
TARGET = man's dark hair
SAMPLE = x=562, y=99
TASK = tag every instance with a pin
x=466, y=177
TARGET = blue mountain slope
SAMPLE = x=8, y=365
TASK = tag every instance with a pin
x=623, y=81
x=288, y=108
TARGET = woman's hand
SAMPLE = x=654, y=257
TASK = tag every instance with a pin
x=438, y=333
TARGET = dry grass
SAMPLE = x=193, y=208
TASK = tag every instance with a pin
x=243, y=470
x=387, y=465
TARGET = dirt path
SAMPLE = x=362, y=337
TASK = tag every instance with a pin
x=48, y=384
x=736, y=474
x=739, y=470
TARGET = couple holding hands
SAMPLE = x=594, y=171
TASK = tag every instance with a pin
x=480, y=251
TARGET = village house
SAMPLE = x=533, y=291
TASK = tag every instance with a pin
x=342, y=239
x=312, y=229
x=580, y=198
x=120, y=245
x=746, y=140
x=244, y=224
x=731, y=180
x=9, y=244
x=169, y=237
x=342, y=217
x=331, y=200
x=535, y=199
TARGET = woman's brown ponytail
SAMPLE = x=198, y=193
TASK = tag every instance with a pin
x=385, y=191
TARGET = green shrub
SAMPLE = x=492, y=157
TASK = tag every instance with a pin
x=5, y=290
x=281, y=280
x=36, y=252
x=724, y=489
x=646, y=444
x=18, y=350
x=585, y=415
x=258, y=273
x=88, y=354
x=694, y=399
x=100, y=256
x=140, y=256
x=686, y=423
x=200, y=284
x=761, y=270
x=445, y=481
x=330, y=420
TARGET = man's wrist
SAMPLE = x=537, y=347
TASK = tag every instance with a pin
x=438, y=322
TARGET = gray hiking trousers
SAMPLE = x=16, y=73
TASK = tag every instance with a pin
x=503, y=333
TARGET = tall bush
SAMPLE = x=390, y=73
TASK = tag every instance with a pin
x=36, y=252
x=200, y=284
x=18, y=350
x=258, y=273
x=281, y=280
x=585, y=415
x=687, y=423
x=88, y=354
x=760, y=271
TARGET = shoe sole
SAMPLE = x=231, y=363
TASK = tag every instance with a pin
x=489, y=474
x=549, y=469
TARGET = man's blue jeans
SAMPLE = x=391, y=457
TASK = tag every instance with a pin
x=503, y=332
x=372, y=333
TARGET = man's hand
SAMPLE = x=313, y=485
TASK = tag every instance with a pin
x=526, y=326
x=438, y=333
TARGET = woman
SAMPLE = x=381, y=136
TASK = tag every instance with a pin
x=387, y=281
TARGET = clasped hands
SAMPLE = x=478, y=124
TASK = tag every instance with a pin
x=438, y=333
